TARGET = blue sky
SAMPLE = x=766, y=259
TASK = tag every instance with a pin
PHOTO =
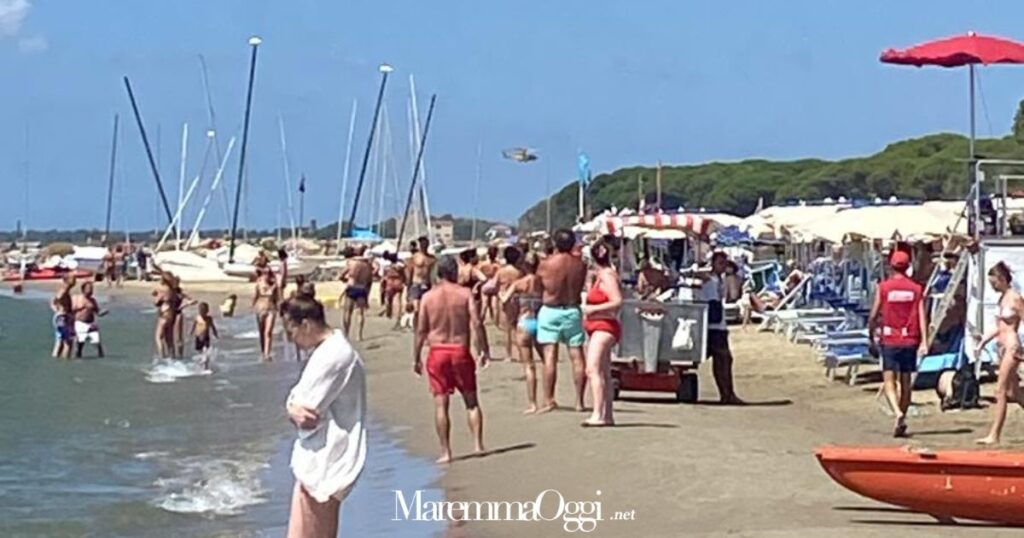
x=628, y=82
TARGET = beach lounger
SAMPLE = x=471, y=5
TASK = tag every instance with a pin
x=852, y=362
x=816, y=326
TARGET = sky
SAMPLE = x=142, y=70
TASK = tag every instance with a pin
x=628, y=83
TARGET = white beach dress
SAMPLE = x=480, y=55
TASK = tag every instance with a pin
x=327, y=460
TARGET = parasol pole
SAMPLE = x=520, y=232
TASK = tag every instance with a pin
x=657, y=186
x=970, y=69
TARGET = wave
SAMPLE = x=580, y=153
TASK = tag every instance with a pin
x=247, y=335
x=211, y=486
x=171, y=370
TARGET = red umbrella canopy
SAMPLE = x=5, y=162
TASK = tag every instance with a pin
x=959, y=51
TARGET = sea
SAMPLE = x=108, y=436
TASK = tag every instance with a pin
x=132, y=446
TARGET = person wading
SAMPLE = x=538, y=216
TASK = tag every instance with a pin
x=328, y=407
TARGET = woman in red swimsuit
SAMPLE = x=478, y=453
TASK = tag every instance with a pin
x=601, y=311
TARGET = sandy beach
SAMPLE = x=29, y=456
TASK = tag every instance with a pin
x=686, y=470
x=672, y=469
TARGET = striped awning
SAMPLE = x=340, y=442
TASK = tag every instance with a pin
x=685, y=222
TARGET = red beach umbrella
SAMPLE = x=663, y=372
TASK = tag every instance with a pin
x=969, y=50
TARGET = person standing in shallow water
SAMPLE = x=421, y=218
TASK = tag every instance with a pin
x=449, y=319
x=86, y=311
x=328, y=407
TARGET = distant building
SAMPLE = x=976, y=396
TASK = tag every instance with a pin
x=444, y=230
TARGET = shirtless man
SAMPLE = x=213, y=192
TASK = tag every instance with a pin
x=358, y=277
x=420, y=269
x=489, y=268
x=562, y=276
x=86, y=310
x=509, y=311
x=448, y=320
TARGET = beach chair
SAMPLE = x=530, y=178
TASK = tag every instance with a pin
x=851, y=359
x=931, y=366
x=769, y=316
x=798, y=331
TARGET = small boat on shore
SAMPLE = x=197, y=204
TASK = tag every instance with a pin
x=978, y=485
x=14, y=275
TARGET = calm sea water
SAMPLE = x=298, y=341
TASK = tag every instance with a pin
x=129, y=446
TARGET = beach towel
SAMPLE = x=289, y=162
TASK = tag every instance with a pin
x=328, y=459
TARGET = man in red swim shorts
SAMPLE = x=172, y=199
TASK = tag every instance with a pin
x=448, y=319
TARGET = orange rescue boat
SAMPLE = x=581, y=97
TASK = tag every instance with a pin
x=978, y=485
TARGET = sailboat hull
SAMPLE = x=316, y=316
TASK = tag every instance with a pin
x=977, y=485
x=192, y=268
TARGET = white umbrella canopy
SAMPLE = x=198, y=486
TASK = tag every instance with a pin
x=881, y=222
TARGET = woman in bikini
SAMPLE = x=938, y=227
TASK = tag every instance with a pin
x=264, y=303
x=521, y=300
x=489, y=268
x=167, y=303
x=183, y=302
x=601, y=322
x=508, y=311
x=1011, y=309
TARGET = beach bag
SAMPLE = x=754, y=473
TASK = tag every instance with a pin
x=682, y=340
x=966, y=392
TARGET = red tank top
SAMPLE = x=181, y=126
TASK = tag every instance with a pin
x=900, y=301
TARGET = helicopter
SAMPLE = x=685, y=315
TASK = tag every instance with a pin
x=522, y=155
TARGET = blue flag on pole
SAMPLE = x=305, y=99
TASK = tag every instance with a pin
x=583, y=168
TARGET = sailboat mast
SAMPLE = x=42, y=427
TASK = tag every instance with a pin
x=287, y=176
x=254, y=42
x=28, y=188
x=424, y=204
x=344, y=180
x=416, y=169
x=181, y=183
x=212, y=118
x=110, y=182
x=149, y=152
x=384, y=69
x=476, y=190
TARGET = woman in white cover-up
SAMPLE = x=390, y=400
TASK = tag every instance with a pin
x=328, y=405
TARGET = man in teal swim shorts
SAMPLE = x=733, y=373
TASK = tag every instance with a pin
x=562, y=275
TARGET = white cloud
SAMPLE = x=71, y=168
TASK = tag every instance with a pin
x=12, y=15
x=33, y=44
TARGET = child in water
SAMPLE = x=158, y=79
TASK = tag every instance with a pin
x=202, y=327
x=62, y=330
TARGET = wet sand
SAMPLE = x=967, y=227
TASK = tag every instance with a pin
x=678, y=470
